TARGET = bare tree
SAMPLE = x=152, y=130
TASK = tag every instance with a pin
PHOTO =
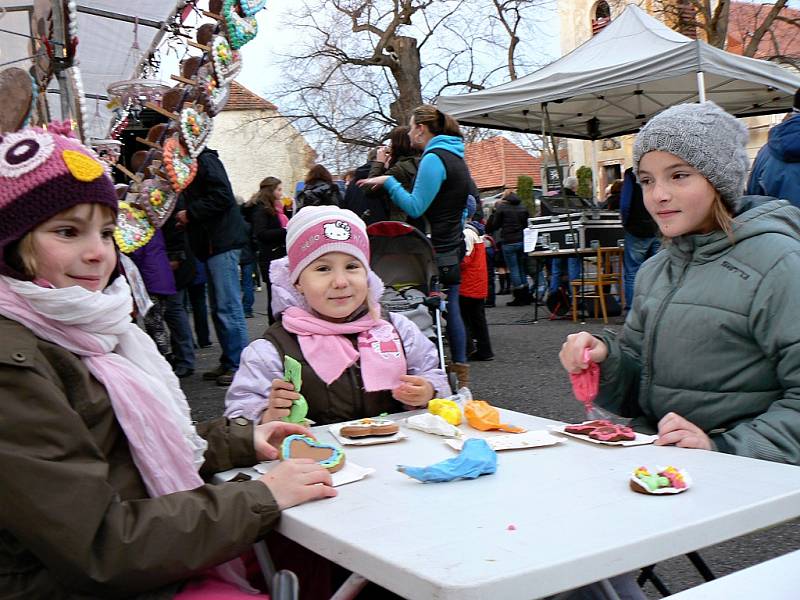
x=712, y=20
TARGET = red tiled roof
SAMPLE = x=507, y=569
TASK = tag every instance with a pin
x=498, y=162
x=782, y=38
x=243, y=99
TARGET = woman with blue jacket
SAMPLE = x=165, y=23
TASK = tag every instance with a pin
x=439, y=196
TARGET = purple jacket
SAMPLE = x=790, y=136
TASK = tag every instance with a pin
x=261, y=362
x=152, y=262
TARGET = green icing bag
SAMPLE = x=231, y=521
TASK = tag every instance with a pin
x=292, y=372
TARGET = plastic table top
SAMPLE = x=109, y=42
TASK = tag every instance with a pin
x=550, y=519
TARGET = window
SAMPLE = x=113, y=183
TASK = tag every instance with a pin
x=601, y=16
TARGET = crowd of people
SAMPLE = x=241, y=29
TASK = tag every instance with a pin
x=94, y=415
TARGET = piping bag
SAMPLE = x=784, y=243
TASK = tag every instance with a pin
x=586, y=386
x=292, y=372
x=475, y=459
x=484, y=417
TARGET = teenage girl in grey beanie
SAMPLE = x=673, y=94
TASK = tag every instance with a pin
x=712, y=343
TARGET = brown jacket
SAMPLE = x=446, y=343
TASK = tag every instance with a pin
x=75, y=519
x=343, y=400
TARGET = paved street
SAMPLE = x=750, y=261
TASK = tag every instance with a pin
x=526, y=376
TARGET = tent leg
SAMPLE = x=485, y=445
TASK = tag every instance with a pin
x=701, y=86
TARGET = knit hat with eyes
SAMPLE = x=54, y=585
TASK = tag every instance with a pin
x=42, y=173
x=709, y=139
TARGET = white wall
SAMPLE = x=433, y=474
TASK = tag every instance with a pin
x=252, y=149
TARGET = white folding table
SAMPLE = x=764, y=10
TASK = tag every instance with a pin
x=549, y=520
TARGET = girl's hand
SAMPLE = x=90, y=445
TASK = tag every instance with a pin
x=571, y=354
x=268, y=436
x=414, y=391
x=298, y=480
x=674, y=430
x=383, y=155
x=373, y=182
x=280, y=401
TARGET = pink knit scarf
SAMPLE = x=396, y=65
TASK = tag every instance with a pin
x=281, y=212
x=144, y=392
x=329, y=352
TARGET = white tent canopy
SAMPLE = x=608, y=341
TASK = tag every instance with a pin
x=612, y=84
x=105, y=34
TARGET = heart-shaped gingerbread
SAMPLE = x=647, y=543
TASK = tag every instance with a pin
x=195, y=128
x=133, y=230
x=17, y=91
x=227, y=61
x=239, y=29
x=181, y=167
x=210, y=93
x=157, y=199
x=303, y=446
x=251, y=7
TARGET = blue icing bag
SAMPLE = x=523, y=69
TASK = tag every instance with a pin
x=475, y=459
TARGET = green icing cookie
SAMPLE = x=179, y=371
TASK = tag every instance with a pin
x=292, y=372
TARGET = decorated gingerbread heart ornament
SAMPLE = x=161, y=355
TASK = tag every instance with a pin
x=157, y=199
x=227, y=61
x=181, y=167
x=195, y=128
x=210, y=93
x=134, y=229
x=251, y=7
x=240, y=30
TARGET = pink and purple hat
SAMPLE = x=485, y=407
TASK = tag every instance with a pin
x=317, y=230
x=44, y=172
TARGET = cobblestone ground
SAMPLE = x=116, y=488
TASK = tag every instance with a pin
x=526, y=376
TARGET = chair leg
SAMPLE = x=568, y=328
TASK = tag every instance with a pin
x=574, y=304
x=603, y=303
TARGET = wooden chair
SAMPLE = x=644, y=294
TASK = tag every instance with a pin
x=607, y=272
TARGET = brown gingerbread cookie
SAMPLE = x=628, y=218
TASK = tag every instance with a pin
x=369, y=427
x=303, y=446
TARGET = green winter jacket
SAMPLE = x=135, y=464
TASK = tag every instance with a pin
x=714, y=336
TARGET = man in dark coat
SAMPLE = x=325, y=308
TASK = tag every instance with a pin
x=217, y=235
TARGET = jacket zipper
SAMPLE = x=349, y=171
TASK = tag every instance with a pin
x=651, y=341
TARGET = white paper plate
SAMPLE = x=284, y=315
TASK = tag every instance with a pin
x=640, y=440
x=513, y=441
x=363, y=441
x=686, y=478
x=348, y=474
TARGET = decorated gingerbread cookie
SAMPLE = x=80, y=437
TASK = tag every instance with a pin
x=662, y=480
x=303, y=446
x=375, y=426
x=195, y=128
x=602, y=431
x=239, y=29
x=587, y=427
x=181, y=167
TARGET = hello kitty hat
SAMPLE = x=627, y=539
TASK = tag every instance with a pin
x=317, y=230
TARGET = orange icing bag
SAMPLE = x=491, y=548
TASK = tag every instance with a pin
x=483, y=416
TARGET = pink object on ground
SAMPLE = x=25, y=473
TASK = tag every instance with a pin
x=586, y=384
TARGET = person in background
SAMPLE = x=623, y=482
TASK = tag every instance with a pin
x=613, y=194
x=439, y=195
x=248, y=260
x=319, y=189
x=776, y=169
x=570, y=266
x=355, y=199
x=641, y=233
x=269, y=230
x=399, y=159
x=196, y=293
x=217, y=234
x=511, y=219
x=153, y=264
x=472, y=294
x=182, y=263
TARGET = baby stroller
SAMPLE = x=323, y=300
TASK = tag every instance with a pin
x=403, y=257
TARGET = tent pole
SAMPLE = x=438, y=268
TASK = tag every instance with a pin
x=595, y=174
x=701, y=86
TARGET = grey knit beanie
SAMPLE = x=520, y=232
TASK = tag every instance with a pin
x=711, y=140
